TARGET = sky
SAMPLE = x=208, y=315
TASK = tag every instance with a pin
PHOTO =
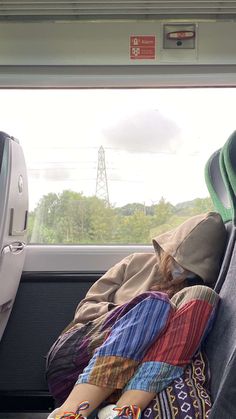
x=156, y=141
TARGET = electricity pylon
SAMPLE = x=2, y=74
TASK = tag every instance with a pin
x=101, y=183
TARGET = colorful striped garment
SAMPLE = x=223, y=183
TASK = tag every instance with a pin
x=144, y=344
x=149, y=346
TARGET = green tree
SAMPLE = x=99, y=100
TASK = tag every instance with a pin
x=100, y=221
x=202, y=205
x=69, y=217
x=162, y=212
x=131, y=209
x=43, y=219
x=134, y=229
x=72, y=218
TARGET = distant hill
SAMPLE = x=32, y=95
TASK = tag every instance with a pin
x=185, y=208
x=197, y=205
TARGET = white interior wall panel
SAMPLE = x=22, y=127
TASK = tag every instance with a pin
x=108, y=43
x=77, y=258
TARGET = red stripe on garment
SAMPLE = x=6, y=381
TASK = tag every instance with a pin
x=183, y=335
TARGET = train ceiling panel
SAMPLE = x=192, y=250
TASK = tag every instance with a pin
x=116, y=9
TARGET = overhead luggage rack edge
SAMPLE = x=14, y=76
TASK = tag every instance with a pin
x=116, y=9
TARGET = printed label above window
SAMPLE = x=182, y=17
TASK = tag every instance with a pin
x=142, y=47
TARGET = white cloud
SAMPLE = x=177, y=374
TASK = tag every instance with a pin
x=146, y=131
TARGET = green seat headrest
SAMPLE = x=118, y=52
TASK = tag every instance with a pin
x=217, y=184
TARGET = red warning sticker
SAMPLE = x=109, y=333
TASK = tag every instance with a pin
x=142, y=47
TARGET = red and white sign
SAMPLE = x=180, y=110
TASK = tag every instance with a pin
x=142, y=47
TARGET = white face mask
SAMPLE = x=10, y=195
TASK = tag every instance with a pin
x=190, y=276
x=177, y=270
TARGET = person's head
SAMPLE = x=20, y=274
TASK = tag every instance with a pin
x=174, y=277
x=192, y=253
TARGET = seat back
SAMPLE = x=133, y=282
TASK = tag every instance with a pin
x=228, y=169
x=221, y=348
x=222, y=197
x=221, y=343
x=217, y=186
x=13, y=221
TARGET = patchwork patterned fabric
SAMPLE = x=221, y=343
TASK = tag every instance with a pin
x=149, y=346
x=115, y=362
x=144, y=344
x=187, y=397
x=73, y=350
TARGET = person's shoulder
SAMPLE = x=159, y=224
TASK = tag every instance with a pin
x=146, y=255
x=143, y=258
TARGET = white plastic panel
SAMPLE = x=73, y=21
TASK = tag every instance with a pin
x=108, y=43
x=13, y=210
x=16, y=197
x=76, y=258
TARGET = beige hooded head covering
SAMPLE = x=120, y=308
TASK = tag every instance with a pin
x=197, y=245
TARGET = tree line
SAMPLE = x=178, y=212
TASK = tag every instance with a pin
x=73, y=218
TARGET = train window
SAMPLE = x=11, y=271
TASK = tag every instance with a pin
x=116, y=166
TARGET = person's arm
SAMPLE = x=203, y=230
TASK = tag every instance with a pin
x=99, y=299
